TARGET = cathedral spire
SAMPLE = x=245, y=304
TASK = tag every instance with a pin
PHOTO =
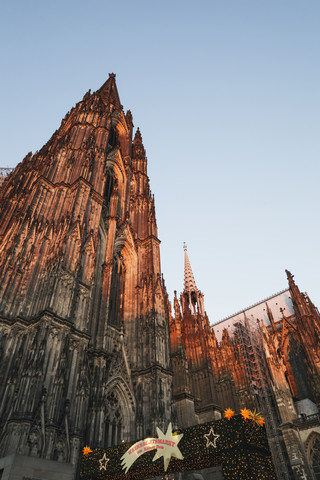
x=109, y=92
x=189, y=282
x=191, y=297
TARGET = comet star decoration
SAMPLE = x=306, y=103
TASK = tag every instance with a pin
x=166, y=445
x=169, y=450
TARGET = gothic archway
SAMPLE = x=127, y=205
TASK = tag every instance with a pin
x=113, y=421
x=119, y=412
x=313, y=453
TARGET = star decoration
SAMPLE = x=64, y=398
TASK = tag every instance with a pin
x=228, y=413
x=103, y=462
x=86, y=450
x=245, y=413
x=211, y=438
x=255, y=417
x=169, y=450
x=261, y=421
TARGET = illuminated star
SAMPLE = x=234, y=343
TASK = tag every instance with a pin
x=170, y=450
x=86, y=450
x=209, y=436
x=103, y=462
x=255, y=417
x=245, y=413
x=228, y=413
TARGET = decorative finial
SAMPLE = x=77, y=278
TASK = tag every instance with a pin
x=184, y=246
x=112, y=75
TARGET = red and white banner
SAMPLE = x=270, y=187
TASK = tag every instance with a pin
x=166, y=447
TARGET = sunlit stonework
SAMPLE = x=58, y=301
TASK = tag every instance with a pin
x=91, y=353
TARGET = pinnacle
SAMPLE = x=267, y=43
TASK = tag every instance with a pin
x=290, y=277
x=270, y=316
x=138, y=137
x=129, y=117
x=109, y=92
x=138, y=148
x=288, y=273
x=189, y=282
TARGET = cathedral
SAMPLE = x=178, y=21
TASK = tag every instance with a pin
x=92, y=352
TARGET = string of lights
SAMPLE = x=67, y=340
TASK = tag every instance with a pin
x=237, y=442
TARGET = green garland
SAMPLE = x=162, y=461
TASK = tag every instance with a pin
x=241, y=449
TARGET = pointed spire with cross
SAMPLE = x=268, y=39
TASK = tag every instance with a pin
x=189, y=282
x=191, y=297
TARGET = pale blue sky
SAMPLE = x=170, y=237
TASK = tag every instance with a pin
x=226, y=94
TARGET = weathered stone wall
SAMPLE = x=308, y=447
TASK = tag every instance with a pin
x=83, y=309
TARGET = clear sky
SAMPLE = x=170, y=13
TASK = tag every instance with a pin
x=226, y=94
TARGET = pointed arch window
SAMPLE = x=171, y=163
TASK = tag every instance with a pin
x=117, y=292
x=113, y=422
x=315, y=457
x=298, y=364
x=108, y=188
x=112, y=139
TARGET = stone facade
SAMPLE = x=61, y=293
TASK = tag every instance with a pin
x=90, y=350
x=258, y=363
x=83, y=308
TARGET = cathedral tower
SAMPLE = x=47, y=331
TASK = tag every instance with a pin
x=192, y=338
x=304, y=348
x=83, y=309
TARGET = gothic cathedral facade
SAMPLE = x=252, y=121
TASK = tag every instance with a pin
x=90, y=350
x=84, y=311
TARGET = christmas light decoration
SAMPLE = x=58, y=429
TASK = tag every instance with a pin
x=228, y=413
x=245, y=413
x=103, y=462
x=239, y=447
x=211, y=438
x=86, y=450
x=166, y=445
x=256, y=417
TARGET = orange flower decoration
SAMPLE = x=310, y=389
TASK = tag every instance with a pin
x=261, y=421
x=245, y=413
x=228, y=413
x=86, y=450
